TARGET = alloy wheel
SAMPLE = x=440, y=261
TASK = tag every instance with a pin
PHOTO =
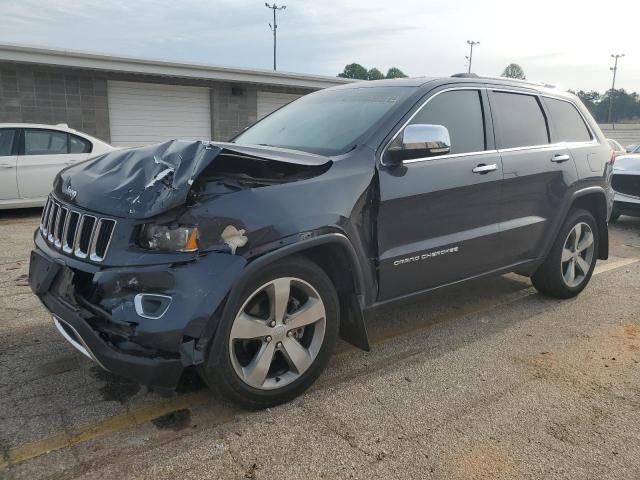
x=577, y=254
x=277, y=333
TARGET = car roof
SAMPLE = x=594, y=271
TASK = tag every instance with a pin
x=466, y=78
x=62, y=127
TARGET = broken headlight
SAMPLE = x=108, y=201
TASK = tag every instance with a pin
x=173, y=238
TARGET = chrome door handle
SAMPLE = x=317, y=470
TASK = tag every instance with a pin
x=482, y=168
x=560, y=158
x=4, y=165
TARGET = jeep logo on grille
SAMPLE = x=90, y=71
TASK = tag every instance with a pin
x=70, y=192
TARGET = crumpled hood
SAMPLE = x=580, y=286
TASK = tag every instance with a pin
x=144, y=182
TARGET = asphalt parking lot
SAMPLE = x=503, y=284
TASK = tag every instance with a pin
x=487, y=380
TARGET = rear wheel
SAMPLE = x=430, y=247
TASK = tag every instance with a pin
x=570, y=263
x=277, y=339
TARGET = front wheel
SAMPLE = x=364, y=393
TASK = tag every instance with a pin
x=570, y=263
x=276, y=340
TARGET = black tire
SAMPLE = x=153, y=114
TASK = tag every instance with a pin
x=614, y=217
x=218, y=370
x=548, y=278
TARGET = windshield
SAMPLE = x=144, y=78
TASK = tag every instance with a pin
x=328, y=122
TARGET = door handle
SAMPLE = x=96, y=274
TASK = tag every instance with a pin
x=560, y=158
x=482, y=168
x=4, y=165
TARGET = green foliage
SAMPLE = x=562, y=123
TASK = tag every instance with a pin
x=394, y=72
x=357, y=71
x=513, y=70
x=626, y=106
x=375, y=74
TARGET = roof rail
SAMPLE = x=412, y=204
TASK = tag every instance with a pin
x=489, y=77
x=465, y=75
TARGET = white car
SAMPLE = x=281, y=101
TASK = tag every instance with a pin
x=31, y=155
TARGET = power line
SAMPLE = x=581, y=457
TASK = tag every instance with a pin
x=274, y=28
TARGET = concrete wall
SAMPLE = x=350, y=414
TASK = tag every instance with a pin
x=50, y=95
x=624, y=133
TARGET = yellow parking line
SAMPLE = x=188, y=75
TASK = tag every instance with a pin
x=134, y=417
x=147, y=413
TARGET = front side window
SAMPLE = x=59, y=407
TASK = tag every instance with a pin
x=568, y=125
x=45, y=142
x=460, y=111
x=6, y=141
x=327, y=122
x=518, y=120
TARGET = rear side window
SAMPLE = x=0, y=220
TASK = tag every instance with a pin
x=6, y=141
x=568, y=125
x=45, y=142
x=518, y=120
x=78, y=145
x=460, y=111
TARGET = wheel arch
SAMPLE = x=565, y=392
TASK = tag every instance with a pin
x=594, y=200
x=336, y=256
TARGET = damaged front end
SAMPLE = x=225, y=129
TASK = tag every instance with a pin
x=138, y=248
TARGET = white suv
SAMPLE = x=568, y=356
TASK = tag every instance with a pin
x=31, y=155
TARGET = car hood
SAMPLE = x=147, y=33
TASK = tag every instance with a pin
x=627, y=164
x=144, y=182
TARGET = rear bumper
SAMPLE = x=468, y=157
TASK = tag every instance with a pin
x=97, y=309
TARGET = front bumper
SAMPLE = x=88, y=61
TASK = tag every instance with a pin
x=626, y=204
x=94, y=308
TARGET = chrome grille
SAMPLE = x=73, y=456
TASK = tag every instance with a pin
x=76, y=233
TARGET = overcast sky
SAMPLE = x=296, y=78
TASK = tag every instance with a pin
x=565, y=42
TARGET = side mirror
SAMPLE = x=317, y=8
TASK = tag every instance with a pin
x=419, y=141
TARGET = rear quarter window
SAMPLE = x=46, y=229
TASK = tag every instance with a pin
x=78, y=145
x=567, y=123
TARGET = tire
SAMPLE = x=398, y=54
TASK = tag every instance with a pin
x=553, y=277
x=614, y=217
x=298, y=354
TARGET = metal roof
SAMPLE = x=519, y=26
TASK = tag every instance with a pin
x=146, y=66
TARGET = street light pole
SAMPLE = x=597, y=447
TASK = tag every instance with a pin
x=471, y=44
x=614, y=69
x=274, y=28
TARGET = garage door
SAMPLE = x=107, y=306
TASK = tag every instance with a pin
x=270, y=101
x=145, y=113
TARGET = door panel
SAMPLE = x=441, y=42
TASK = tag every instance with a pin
x=8, y=180
x=438, y=222
x=535, y=187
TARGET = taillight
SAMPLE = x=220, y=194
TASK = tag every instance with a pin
x=612, y=157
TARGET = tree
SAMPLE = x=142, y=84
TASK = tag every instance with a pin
x=394, y=72
x=514, y=70
x=354, y=70
x=375, y=74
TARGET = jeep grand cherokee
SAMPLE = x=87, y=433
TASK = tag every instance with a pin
x=249, y=259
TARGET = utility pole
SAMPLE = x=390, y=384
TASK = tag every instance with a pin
x=470, y=57
x=274, y=28
x=614, y=69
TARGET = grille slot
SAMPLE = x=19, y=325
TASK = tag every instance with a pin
x=101, y=239
x=70, y=231
x=75, y=233
x=626, y=184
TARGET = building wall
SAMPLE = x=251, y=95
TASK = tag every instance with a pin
x=50, y=95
